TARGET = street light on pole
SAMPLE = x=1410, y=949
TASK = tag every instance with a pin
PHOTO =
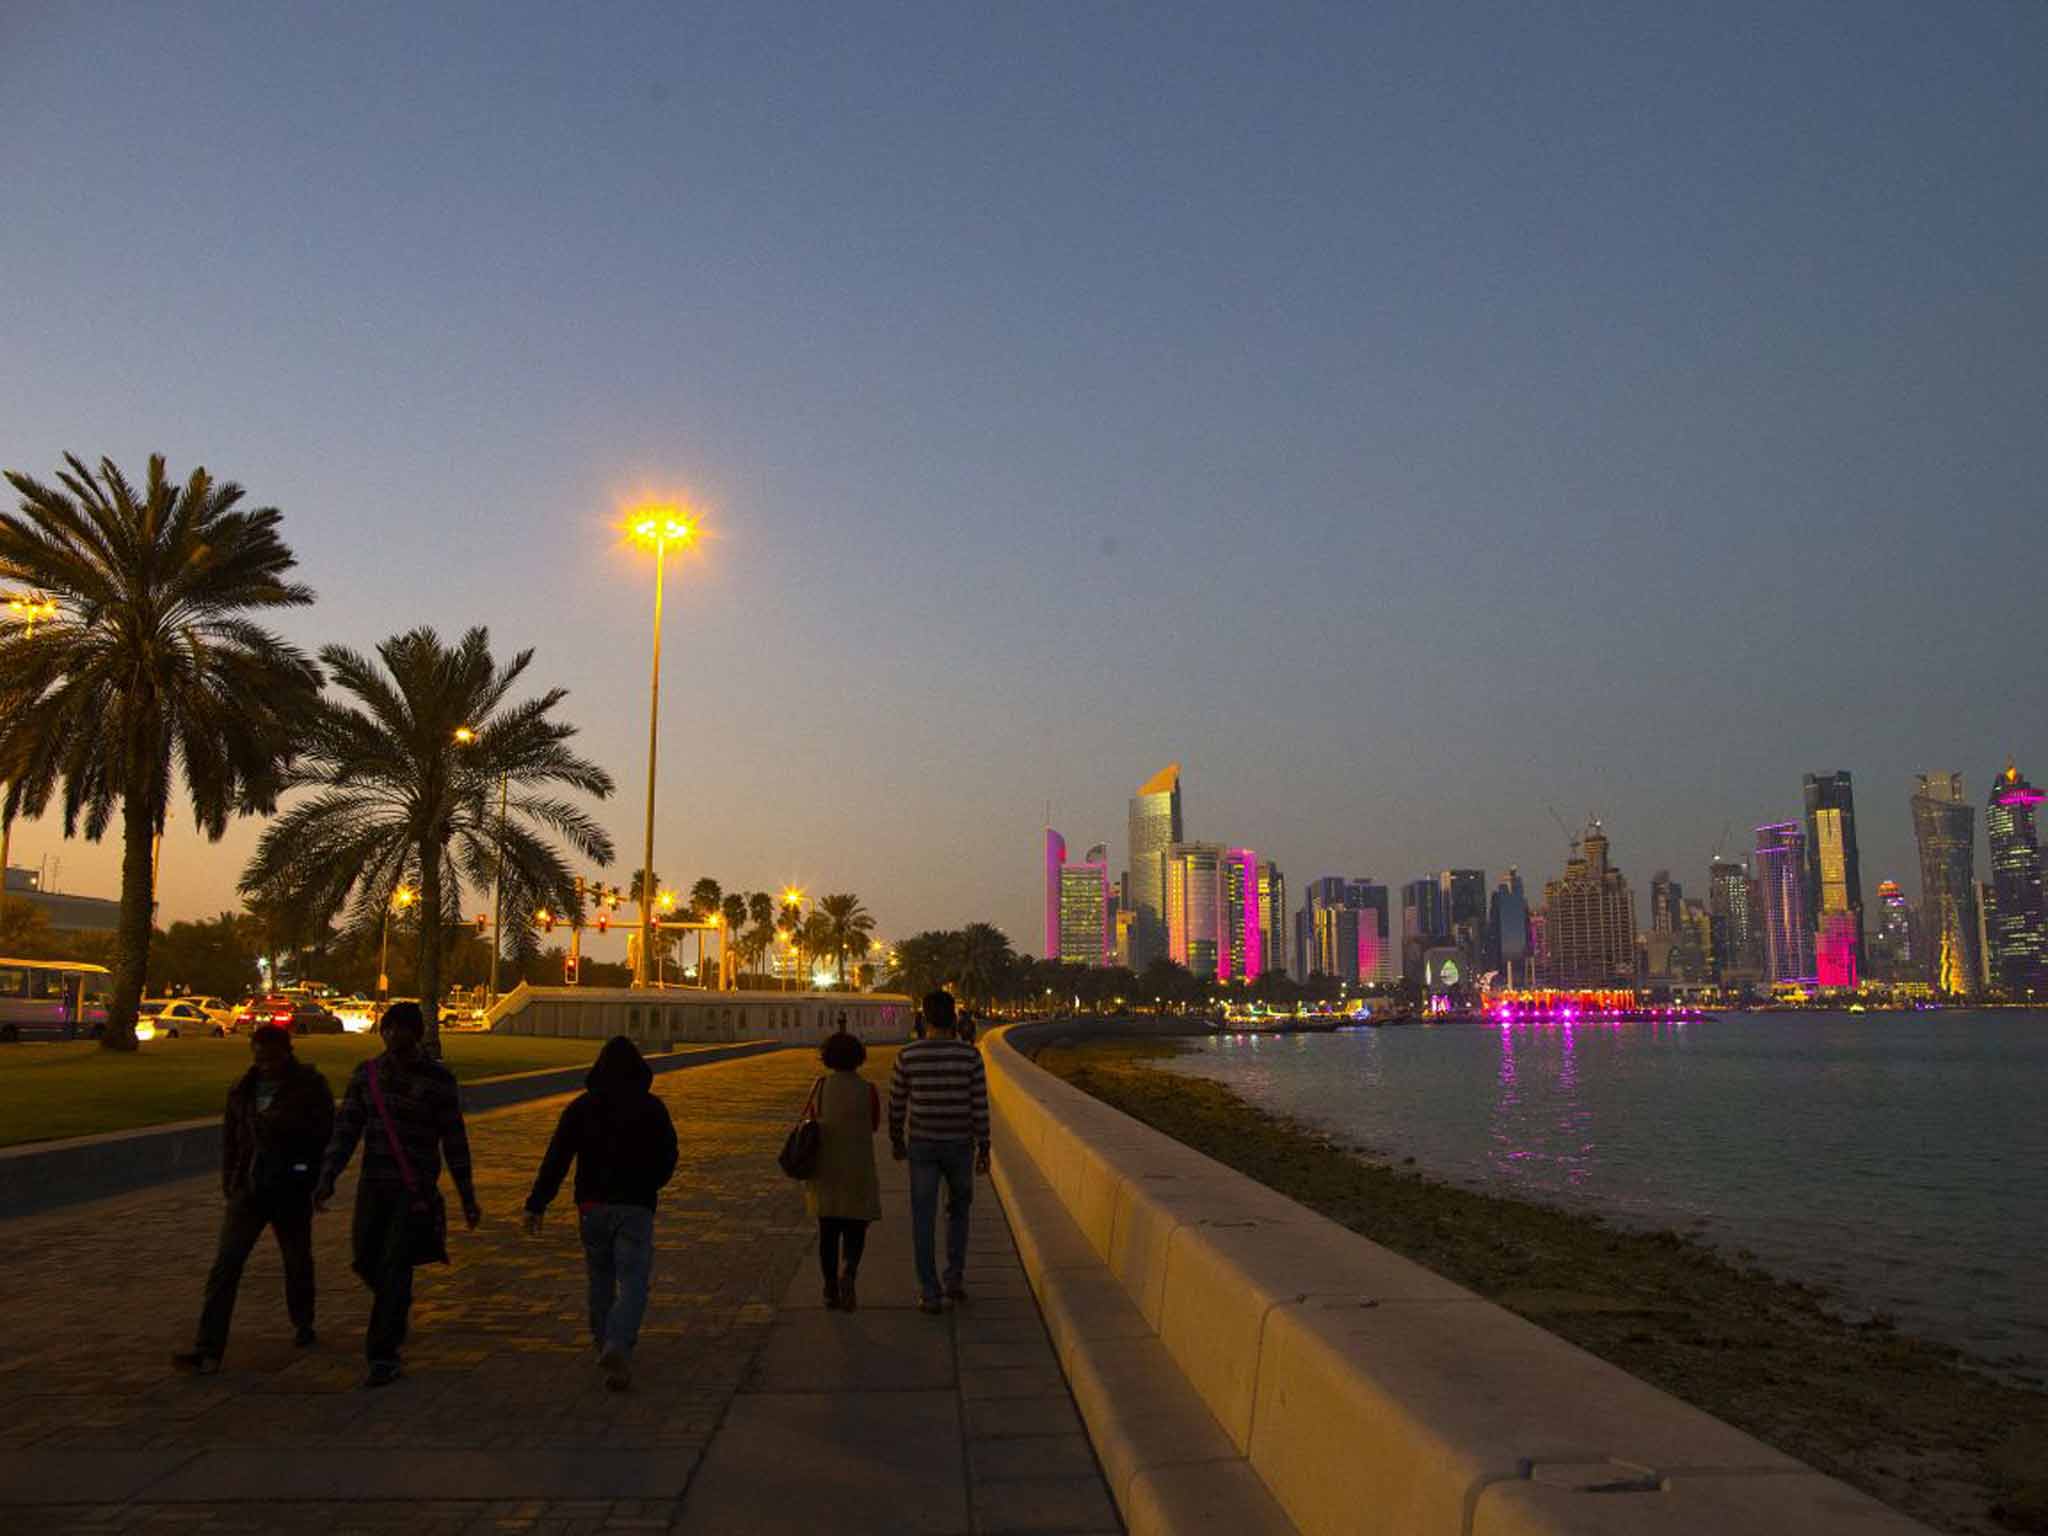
x=464, y=736
x=401, y=898
x=657, y=527
x=28, y=609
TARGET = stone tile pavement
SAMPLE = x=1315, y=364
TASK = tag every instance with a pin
x=753, y=1409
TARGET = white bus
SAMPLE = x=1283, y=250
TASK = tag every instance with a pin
x=52, y=999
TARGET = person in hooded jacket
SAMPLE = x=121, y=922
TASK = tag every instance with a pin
x=623, y=1142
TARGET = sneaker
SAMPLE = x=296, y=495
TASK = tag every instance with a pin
x=195, y=1362
x=618, y=1370
x=305, y=1338
x=955, y=1291
x=383, y=1373
x=848, y=1301
x=930, y=1305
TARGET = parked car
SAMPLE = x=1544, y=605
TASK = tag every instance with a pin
x=219, y=1011
x=358, y=1015
x=170, y=1017
x=299, y=1014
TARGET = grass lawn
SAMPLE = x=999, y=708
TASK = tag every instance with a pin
x=76, y=1089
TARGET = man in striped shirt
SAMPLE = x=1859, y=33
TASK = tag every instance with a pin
x=938, y=1119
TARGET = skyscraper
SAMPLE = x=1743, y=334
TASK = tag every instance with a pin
x=1341, y=931
x=1155, y=827
x=1195, y=908
x=1272, y=918
x=1241, y=956
x=1944, y=827
x=1055, y=860
x=1507, y=923
x=2019, y=944
x=1834, y=870
x=1464, y=909
x=1085, y=934
x=1666, y=897
x=1781, y=881
x=1589, y=918
x=1893, y=949
x=1732, y=920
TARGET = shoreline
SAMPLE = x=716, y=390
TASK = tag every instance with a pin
x=1910, y=1421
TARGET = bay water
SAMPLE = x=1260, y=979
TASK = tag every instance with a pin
x=1898, y=1159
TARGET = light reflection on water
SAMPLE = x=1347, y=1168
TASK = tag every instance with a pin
x=1895, y=1157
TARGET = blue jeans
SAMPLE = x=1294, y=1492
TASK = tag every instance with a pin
x=931, y=1161
x=618, y=1253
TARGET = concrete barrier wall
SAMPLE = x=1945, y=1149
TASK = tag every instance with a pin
x=43, y=1175
x=1365, y=1393
x=657, y=1020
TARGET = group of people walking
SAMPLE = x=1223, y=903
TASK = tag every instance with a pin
x=285, y=1146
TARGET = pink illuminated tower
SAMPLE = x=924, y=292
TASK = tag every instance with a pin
x=1055, y=858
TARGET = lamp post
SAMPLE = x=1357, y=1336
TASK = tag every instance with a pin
x=794, y=900
x=657, y=527
x=400, y=899
x=464, y=736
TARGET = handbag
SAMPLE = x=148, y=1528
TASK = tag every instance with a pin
x=800, y=1148
x=426, y=1214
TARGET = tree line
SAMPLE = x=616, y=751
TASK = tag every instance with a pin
x=138, y=671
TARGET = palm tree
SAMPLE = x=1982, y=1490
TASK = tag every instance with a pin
x=846, y=928
x=705, y=896
x=398, y=798
x=985, y=959
x=142, y=660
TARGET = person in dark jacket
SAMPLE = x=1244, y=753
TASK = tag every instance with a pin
x=279, y=1115
x=623, y=1143
x=420, y=1118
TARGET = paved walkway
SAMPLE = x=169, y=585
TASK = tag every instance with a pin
x=753, y=1409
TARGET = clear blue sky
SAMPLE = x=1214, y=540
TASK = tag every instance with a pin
x=1408, y=416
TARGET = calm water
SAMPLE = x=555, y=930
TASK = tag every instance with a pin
x=1900, y=1159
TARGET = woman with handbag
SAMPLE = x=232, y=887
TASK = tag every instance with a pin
x=404, y=1108
x=843, y=1191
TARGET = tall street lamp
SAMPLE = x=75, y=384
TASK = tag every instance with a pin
x=464, y=736
x=657, y=527
x=401, y=898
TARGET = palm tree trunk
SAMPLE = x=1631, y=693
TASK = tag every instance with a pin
x=131, y=947
x=430, y=945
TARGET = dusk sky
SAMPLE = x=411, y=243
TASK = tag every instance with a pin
x=1410, y=417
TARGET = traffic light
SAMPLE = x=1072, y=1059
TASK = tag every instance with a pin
x=546, y=919
x=570, y=965
x=579, y=890
x=483, y=924
x=604, y=919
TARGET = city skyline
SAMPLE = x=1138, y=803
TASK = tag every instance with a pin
x=1557, y=384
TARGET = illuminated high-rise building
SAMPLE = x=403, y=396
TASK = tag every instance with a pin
x=1086, y=935
x=1834, y=873
x=1341, y=931
x=1781, y=882
x=1732, y=916
x=1272, y=917
x=1944, y=827
x=1155, y=827
x=1055, y=861
x=1241, y=954
x=2019, y=943
x=1195, y=908
x=1892, y=945
x=1589, y=918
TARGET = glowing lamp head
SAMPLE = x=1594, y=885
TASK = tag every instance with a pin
x=403, y=897
x=464, y=735
x=662, y=524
